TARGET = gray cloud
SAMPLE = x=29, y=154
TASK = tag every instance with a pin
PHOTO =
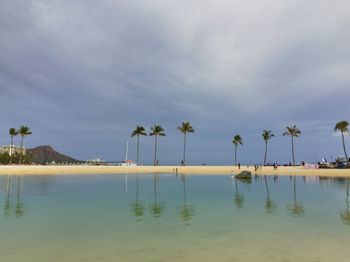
x=82, y=74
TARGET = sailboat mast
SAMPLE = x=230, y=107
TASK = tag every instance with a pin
x=126, y=151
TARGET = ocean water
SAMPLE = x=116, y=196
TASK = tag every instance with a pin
x=173, y=218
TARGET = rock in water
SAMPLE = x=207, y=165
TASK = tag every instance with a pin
x=244, y=175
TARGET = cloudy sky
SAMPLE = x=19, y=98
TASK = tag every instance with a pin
x=83, y=74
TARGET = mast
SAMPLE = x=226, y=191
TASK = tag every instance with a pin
x=126, y=151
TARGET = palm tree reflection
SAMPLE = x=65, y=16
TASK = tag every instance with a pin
x=296, y=209
x=156, y=208
x=238, y=198
x=345, y=214
x=17, y=207
x=187, y=211
x=137, y=206
x=270, y=206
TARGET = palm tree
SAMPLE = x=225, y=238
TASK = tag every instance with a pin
x=267, y=135
x=292, y=131
x=156, y=131
x=139, y=131
x=237, y=140
x=13, y=132
x=185, y=128
x=23, y=131
x=342, y=126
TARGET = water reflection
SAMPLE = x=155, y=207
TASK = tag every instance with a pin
x=13, y=202
x=345, y=214
x=296, y=208
x=157, y=207
x=138, y=206
x=239, y=198
x=187, y=210
x=270, y=206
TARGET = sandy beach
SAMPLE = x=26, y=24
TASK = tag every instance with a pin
x=85, y=169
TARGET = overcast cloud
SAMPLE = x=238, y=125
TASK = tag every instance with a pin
x=83, y=74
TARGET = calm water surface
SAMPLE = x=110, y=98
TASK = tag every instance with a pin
x=173, y=218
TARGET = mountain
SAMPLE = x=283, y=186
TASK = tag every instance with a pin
x=46, y=154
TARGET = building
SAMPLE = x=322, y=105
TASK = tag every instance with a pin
x=11, y=150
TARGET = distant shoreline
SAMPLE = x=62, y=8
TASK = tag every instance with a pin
x=190, y=170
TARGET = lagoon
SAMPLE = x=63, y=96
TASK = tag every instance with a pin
x=173, y=218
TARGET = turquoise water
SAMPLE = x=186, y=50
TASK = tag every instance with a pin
x=173, y=218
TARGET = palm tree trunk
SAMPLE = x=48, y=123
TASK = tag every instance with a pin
x=346, y=155
x=235, y=155
x=293, y=150
x=138, y=149
x=11, y=149
x=184, y=153
x=21, y=152
x=265, y=153
x=155, y=150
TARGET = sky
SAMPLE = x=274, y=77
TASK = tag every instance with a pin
x=82, y=74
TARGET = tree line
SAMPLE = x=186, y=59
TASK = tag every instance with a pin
x=186, y=127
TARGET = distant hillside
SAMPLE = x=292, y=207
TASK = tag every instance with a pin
x=46, y=154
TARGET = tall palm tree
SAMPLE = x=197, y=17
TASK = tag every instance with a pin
x=23, y=131
x=185, y=128
x=292, y=131
x=156, y=131
x=267, y=135
x=139, y=131
x=342, y=126
x=13, y=132
x=237, y=140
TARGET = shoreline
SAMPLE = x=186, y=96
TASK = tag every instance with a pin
x=190, y=170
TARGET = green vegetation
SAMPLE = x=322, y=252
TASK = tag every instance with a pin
x=12, y=132
x=342, y=126
x=267, y=135
x=237, y=140
x=23, y=131
x=292, y=131
x=156, y=131
x=139, y=131
x=185, y=128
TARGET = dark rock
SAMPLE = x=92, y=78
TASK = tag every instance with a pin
x=244, y=175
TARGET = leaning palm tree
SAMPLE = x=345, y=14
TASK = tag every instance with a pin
x=292, y=131
x=237, y=140
x=139, y=131
x=13, y=132
x=156, y=131
x=267, y=135
x=342, y=126
x=185, y=128
x=23, y=131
